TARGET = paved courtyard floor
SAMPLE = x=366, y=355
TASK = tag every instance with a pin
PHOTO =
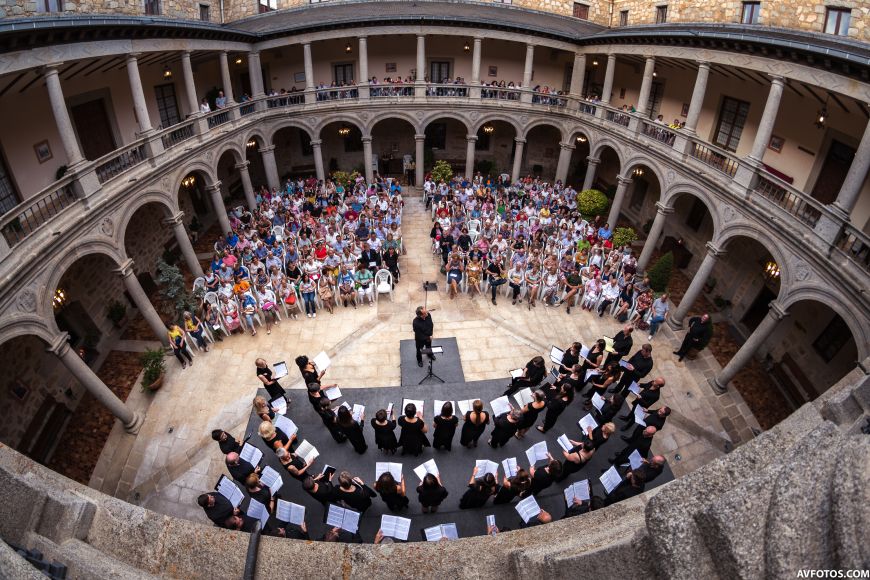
x=172, y=459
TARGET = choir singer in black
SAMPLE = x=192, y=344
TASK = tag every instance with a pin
x=423, y=328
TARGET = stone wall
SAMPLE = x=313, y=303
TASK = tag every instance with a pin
x=185, y=9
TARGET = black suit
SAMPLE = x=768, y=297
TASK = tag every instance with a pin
x=241, y=471
x=423, y=329
x=360, y=499
x=641, y=443
x=654, y=420
x=642, y=366
x=220, y=511
x=325, y=492
x=367, y=257
x=695, y=337
x=622, y=344
x=647, y=398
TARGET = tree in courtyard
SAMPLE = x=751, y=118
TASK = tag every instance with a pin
x=442, y=171
x=660, y=273
x=591, y=202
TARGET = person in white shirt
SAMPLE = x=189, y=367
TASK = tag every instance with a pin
x=609, y=293
x=204, y=106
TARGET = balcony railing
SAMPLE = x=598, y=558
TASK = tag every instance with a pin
x=26, y=217
x=175, y=135
x=549, y=99
x=717, y=159
x=658, y=132
x=507, y=94
x=337, y=93
x=385, y=91
x=794, y=202
x=247, y=108
x=618, y=118
x=856, y=245
x=286, y=100
x=447, y=90
x=588, y=108
x=218, y=118
x=118, y=162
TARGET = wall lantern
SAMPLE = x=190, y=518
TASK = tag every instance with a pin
x=344, y=131
x=655, y=74
x=489, y=129
x=238, y=60
x=188, y=181
x=638, y=172
x=348, y=48
x=251, y=144
x=466, y=47
x=581, y=139
x=167, y=72
x=59, y=299
x=821, y=117
x=771, y=270
x=594, y=63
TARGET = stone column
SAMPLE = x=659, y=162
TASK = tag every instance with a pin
x=177, y=223
x=318, y=158
x=619, y=196
x=750, y=347
x=565, y=151
x=475, y=60
x=367, y=157
x=245, y=175
x=518, y=159
x=697, y=102
x=829, y=227
x=675, y=320
x=470, y=144
x=608, y=79
x=225, y=78
x=578, y=75
x=768, y=119
x=189, y=85
x=134, y=289
x=419, y=159
x=217, y=202
x=420, y=89
x=363, y=80
x=645, y=86
x=70, y=359
x=61, y=116
x=662, y=213
x=528, y=69
x=310, y=96
x=140, y=108
x=271, y=167
x=589, y=179
x=255, y=71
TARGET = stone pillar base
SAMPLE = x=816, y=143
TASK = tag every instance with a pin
x=133, y=427
x=674, y=324
x=310, y=96
x=717, y=388
x=86, y=184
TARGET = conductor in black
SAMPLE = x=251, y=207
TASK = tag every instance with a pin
x=423, y=328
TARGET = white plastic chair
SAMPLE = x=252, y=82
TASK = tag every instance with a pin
x=383, y=284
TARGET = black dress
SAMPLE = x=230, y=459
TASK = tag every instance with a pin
x=530, y=417
x=474, y=497
x=568, y=361
x=505, y=495
x=569, y=467
x=555, y=407
x=264, y=495
x=412, y=439
x=431, y=496
x=230, y=445
x=281, y=438
x=541, y=481
x=471, y=432
x=275, y=390
x=310, y=377
x=298, y=463
x=385, y=436
x=503, y=431
x=328, y=418
x=354, y=434
x=445, y=429
x=395, y=501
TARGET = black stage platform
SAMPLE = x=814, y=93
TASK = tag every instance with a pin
x=455, y=466
x=448, y=365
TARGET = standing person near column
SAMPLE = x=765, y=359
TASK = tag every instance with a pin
x=423, y=329
x=179, y=345
x=699, y=334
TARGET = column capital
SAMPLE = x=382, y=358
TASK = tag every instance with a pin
x=267, y=149
x=175, y=219
x=363, y=38
x=777, y=311
x=649, y=57
x=593, y=160
x=315, y=142
x=663, y=209
x=132, y=56
x=471, y=138
x=243, y=166
x=519, y=140
x=51, y=69
x=569, y=146
x=478, y=39
x=214, y=187
x=256, y=53
x=419, y=36
x=715, y=250
x=186, y=53
x=125, y=269
x=420, y=137
x=611, y=56
x=703, y=64
x=777, y=80
x=59, y=344
x=366, y=139
x=623, y=180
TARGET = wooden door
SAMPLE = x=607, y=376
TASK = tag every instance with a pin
x=833, y=172
x=93, y=129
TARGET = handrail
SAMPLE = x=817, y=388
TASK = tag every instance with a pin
x=660, y=133
x=176, y=134
x=714, y=157
x=500, y=93
x=855, y=244
x=337, y=93
x=218, y=117
x=119, y=161
x=285, y=100
x=617, y=117
x=26, y=217
x=391, y=90
x=795, y=202
x=588, y=108
x=447, y=90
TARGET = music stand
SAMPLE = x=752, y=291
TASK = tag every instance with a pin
x=431, y=352
x=427, y=287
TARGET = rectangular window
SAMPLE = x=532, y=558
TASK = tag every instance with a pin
x=581, y=11
x=623, y=17
x=732, y=118
x=167, y=105
x=8, y=193
x=267, y=5
x=152, y=7
x=49, y=6
x=502, y=1
x=750, y=12
x=439, y=71
x=661, y=14
x=204, y=13
x=837, y=21
x=342, y=74
x=832, y=339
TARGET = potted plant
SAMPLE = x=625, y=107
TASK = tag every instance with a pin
x=623, y=237
x=117, y=313
x=591, y=203
x=660, y=273
x=154, y=368
x=442, y=171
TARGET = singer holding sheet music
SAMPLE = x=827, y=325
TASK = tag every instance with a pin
x=532, y=376
x=476, y=420
x=423, y=329
x=430, y=493
x=264, y=373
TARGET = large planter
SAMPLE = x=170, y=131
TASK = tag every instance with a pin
x=157, y=383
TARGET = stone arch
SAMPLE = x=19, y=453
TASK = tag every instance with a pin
x=43, y=328
x=429, y=119
x=194, y=166
x=670, y=196
x=340, y=118
x=228, y=146
x=617, y=150
x=560, y=127
x=169, y=203
x=284, y=124
x=771, y=244
x=646, y=162
x=411, y=119
x=831, y=298
x=255, y=133
x=579, y=130
x=107, y=247
x=484, y=119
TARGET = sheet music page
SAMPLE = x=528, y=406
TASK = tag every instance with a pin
x=634, y=388
x=587, y=422
x=433, y=534
x=280, y=370
x=389, y=411
x=591, y=373
x=307, y=451
x=584, y=351
x=271, y=479
x=350, y=521
x=640, y=416
x=485, y=466
x=581, y=490
x=321, y=362
x=334, y=516
x=259, y=511
x=500, y=406
x=516, y=373
x=510, y=466
x=332, y=393
x=283, y=510
x=449, y=531
x=465, y=406
x=287, y=426
x=279, y=404
x=418, y=404
x=251, y=454
x=490, y=521
x=431, y=467
x=523, y=397
x=297, y=514
x=623, y=364
x=598, y=401
x=227, y=488
x=398, y=527
x=388, y=525
x=565, y=443
x=610, y=479
x=357, y=412
x=528, y=508
x=635, y=460
x=438, y=404
x=556, y=355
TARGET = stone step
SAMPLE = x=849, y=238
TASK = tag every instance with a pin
x=678, y=543
x=86, y=562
